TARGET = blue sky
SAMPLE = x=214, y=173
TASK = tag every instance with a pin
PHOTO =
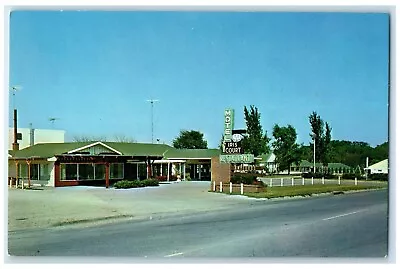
x=95, y=70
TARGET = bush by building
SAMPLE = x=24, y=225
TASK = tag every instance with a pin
x=128, y=184
x=238, y=178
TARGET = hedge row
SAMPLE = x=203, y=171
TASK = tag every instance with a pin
x=127, y=184
x=383, y=177
x=318, y=175
x=249, y=179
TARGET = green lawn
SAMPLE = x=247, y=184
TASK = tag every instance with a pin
x=307, y=190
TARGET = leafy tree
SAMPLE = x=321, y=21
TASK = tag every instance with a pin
x=286, y=150
x=221, y=142
x=321, y=137
x=190, y=140
x=255, y=142
x=351, y=153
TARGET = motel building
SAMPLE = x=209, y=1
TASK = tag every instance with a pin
x=103, y=163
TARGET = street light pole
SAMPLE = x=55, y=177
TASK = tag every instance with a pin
x=314, y=151
x=152, y=121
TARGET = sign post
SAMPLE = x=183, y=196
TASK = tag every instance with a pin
x=232, y=150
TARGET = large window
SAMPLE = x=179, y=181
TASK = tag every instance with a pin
x=23, y=170
x=69, y=171
x=86, y=171
x=44, y=172
x=116, y=170
x=99, y=171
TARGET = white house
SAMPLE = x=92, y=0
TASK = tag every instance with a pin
x=34, y=136
x=381, y=167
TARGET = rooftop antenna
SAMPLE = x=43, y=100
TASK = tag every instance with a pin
x=152, y=101
x=52, y=120
x=14, y=89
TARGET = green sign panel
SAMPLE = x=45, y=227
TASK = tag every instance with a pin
x=228, y=124
x=237, y=158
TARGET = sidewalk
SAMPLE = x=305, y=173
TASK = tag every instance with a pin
x=49, y=207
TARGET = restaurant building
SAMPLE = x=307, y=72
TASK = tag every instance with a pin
x=103, y=163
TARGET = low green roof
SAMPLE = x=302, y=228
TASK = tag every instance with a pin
x=139, y=149
x=305, y=163
x=338, y=165
x=191, y=153
x=48, y=150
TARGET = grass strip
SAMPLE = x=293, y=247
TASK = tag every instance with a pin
x=307, y=190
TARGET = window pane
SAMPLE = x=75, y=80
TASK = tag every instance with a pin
x=68, y=171
x=116, y=170
x=100, y=171
x=44, y=171
x=86, y=171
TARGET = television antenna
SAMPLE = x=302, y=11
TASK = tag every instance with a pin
x=14, y=89
x=152, y=101
x=52, y=120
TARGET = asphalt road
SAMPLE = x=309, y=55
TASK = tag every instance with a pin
x=349, y=225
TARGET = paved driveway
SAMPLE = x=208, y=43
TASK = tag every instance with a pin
x=56, y=206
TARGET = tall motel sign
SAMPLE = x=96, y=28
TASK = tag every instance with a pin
x=232, y=150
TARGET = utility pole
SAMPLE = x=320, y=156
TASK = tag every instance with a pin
x=15, y=145
x=314, y=151
x=152, y=120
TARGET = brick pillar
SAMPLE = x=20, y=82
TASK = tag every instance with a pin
x=57, y=174
x=220, y=172
x=107, y=174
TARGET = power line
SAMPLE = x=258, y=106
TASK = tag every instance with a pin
x=152, y=101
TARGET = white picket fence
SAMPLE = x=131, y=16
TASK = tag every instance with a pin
x=280, y=182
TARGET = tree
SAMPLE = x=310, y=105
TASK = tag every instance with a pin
x=221, y=143
x=286, y=150
x=117, y=138
x=255, y=142
x=85, y=138
x=321, y=137
x=123, y=139
x=190, y=140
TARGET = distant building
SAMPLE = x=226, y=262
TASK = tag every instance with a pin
x=381, y=167
x=34, y=136
x=267, y=162
x=305, y=166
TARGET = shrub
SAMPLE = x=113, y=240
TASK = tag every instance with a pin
x=351, y=176
x=127, y=184
x=318, y=175
x=383, y=177
x=150, y=182
x=244, y=178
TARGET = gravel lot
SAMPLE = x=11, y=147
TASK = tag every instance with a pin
x=48, y=207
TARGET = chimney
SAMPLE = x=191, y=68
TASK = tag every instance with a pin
x=32, y=135
x=15, y=145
